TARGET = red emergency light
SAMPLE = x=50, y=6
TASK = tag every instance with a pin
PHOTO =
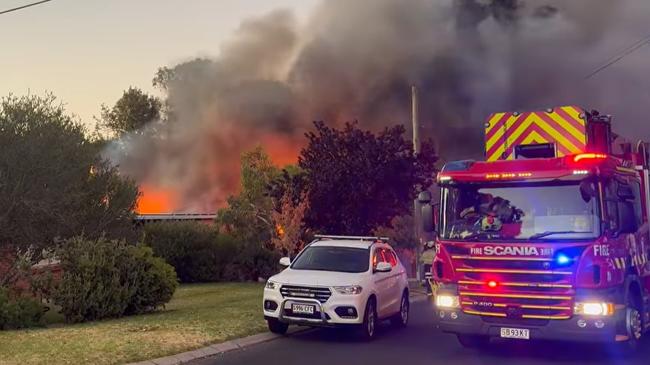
x=492, y=284
x=589, y=156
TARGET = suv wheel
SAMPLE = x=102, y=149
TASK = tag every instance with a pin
x=277, y=327
x=473, y=341
x=369, y=326
x=401, y=319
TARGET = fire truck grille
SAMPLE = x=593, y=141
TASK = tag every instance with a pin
x=526, y=289
x=305, y=292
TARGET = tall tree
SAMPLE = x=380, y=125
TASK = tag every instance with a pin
x=53, y=184
x=131, y=113
x=358, y=181
x=248, y=215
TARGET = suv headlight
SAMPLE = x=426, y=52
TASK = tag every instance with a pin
x=272, y=285
x=348, y=290
x=594, y=309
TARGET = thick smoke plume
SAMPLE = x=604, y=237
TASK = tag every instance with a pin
x=356, y=60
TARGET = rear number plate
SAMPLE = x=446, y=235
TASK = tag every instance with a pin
x=518, y=333
x=303, y=309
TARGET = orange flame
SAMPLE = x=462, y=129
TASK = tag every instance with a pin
x=155, y=200
x=280, y=230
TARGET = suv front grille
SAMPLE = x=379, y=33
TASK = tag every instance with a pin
x=305, y=292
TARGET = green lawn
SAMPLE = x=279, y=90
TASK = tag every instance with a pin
x=198, y=315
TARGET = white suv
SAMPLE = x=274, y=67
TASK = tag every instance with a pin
x=339, y=281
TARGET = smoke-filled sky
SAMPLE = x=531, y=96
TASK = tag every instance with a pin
x=355, y=60
x=88, y=51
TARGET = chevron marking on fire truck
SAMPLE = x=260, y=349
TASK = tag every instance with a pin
x=563, y=126
x=619, y=262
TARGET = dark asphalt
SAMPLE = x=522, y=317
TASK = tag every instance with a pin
x=419, y=343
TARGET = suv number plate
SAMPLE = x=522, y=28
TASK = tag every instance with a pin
x=302, y=309
x=518, y=333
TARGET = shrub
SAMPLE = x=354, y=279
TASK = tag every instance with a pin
x=104, y=279
x=155, y=281
x=20, y=312
x=197, y=251
x=252, y=262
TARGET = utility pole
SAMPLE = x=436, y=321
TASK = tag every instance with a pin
x=416, y=150
x=415, y=111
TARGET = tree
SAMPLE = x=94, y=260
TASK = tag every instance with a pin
x=53, y=184
x=292, y=179
x=248, y=216
x=401, y=232
x=359, y=181
x=131, y=113
x=289, y=224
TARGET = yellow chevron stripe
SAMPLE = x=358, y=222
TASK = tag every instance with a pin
x=534, y=137
x=493, y=121
x=499, y=138
x=580, y=136
x=574, y=113
x=496, y=138
x=557, y=135
x=498, y=153
x=513, y=136
x=559, y=131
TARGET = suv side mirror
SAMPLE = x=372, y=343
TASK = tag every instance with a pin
x=285, y=261
x=627, y=218
x=383, y=267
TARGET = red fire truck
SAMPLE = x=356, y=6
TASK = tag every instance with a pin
x=548, y=238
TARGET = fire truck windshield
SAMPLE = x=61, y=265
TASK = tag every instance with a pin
x=518, y=212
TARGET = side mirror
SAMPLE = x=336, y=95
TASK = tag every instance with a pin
x=627, y=218
x=383, y=267
x=428, y=224
x=285, y=261
x=424, y=197
x=587, y=190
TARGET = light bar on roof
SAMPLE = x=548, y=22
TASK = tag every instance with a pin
x=589, y=156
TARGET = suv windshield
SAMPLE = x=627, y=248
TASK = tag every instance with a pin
x=519, y=212
x=329, y=258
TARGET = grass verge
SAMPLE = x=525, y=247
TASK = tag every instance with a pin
x=198, y=315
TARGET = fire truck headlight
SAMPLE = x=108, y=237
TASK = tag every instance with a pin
x=594, y=309
x=447, y=301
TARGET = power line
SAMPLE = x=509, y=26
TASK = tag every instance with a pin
x=626, y=52
x=24, y=6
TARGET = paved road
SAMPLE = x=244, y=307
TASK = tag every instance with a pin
x=418, y=344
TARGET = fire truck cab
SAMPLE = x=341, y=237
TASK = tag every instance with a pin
x=548, y=238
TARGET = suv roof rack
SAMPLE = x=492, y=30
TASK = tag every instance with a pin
x=359, y=238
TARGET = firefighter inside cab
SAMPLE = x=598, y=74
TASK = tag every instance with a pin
x=548, y=239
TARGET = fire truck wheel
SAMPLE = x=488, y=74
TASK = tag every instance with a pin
x=473, y=341
x=277, y=327
x=633, y=328
x=401, y=319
